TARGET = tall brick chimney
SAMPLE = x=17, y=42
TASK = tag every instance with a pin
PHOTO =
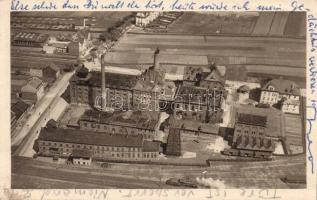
x=103, y=84
x=156, y=59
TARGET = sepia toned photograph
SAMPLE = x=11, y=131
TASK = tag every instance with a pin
x=158, y=100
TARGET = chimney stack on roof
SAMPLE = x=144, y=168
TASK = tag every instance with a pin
x=156, y=59
x=103, y=84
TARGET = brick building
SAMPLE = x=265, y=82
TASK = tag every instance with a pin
x=33, y=90
x=85, y=88
x=57, y=142
x=250, y=135
x=173, y=146
x=143, y=92
x=200, y=104
x=126, y=123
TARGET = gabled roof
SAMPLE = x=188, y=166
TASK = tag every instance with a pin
x=282, y=86
x=19, y=108
x=33, y=85
x=81, y=153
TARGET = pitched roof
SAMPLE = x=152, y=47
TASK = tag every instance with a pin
x=89, y=137
x=150, y=146
x=19, y=108
x=30, y=36
x=248, y=119
x=137, y=119
x=255, y=143
x=33, y=85
x=82, y=153
x=283, y=86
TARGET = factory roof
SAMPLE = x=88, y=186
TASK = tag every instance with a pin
x=89, y=137
x=255, y=143
x=31, y=37
x=256, y=120
x=19, y=108
x=137, y=119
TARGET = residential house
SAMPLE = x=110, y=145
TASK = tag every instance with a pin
x=33, y=90
x=57, y=142
x=283, y=93
x=18, y=112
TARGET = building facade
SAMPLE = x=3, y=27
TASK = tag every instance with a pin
x=64, y=142
x=33, y=90
x=283, y=93
x=199, y=104
x=250, y=136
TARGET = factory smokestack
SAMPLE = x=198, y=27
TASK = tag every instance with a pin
x=103, y=84
x=156, y=59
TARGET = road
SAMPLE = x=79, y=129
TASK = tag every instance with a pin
x=230, y=174
x=25, y=137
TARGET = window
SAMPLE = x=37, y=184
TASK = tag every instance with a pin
x=177, y=105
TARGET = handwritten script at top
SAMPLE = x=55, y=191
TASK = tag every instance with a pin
x=158, y=5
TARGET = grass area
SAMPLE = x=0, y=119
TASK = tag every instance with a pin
x=293, y=129
x=213, y=23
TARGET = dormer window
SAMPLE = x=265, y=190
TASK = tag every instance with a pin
x=271, y=88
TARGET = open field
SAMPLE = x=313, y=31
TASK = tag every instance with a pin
x=280, y=24
x=261, y=56
x=293, y=129
x=212, y=23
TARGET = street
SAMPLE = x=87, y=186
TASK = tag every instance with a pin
x=46, y=107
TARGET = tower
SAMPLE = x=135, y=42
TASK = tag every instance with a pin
x=156, y=59
x=103, y=84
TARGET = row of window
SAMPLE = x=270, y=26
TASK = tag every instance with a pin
x=247, y=131
x=82, y=146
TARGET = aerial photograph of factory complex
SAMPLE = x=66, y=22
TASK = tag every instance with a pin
x=143, y=100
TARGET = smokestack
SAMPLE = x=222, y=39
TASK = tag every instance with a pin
x=103, y=84
x=156, y=59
